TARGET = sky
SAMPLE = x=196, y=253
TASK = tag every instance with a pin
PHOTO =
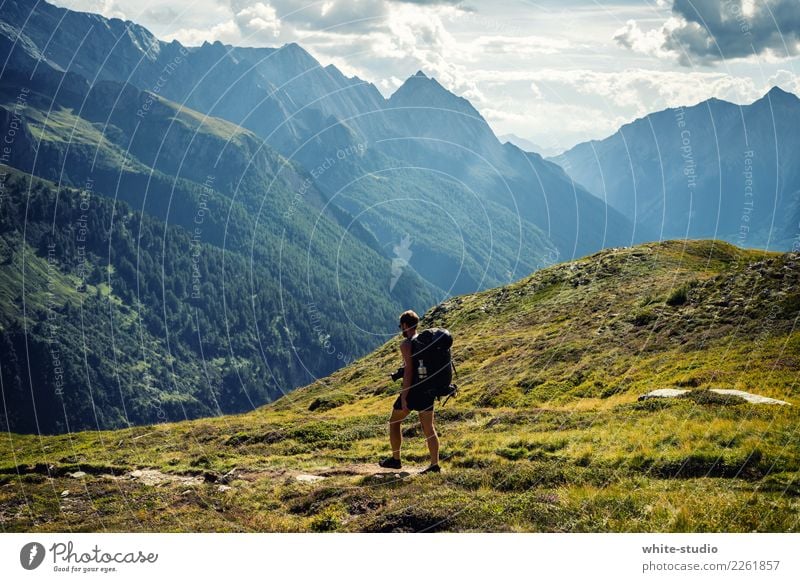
x=555, y=72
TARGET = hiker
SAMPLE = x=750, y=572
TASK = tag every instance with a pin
x=411, y=399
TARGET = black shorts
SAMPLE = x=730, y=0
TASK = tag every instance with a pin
x=416, y=400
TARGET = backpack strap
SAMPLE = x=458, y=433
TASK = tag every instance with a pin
x=453, y=393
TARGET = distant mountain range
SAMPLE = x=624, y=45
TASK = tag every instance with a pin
x=528, y=145
x=713, y=170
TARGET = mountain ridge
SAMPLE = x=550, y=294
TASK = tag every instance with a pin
x=309, y=114
x=681, y=171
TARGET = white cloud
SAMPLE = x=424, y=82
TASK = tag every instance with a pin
x=251, y=24
x=390, y=85
x=520, y=45
x=227, y=32
x=420, y=36
x=554, y=126
x=342, y=16
x=108, y=8
x=786, y=80
x=348, y=68
x=650, y=42
x=259, y=21
x=639, y=90
x=410, y=38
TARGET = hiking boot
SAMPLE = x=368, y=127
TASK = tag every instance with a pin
x=431, y=469
x=390, y=463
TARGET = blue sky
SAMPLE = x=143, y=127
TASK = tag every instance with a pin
x=553, y=72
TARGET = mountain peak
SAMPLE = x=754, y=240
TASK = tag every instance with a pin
x=293, y=46
x=778, y=93
x=420, y=90
x=291, y=52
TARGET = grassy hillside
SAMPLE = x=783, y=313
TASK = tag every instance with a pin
x=547, y=435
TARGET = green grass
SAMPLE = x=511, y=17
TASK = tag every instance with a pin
x=548, y=433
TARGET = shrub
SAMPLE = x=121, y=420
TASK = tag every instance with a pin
x=680, y=295
x=610, y=391
x=512, y=453
x=330, y=401
x=650, y=404
x=648, y=300
x=643, y=317
x=329, y=519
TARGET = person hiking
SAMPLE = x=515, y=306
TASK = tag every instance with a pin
x=411, y=399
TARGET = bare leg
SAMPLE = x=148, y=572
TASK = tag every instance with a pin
x=426, y=419
x=395, y=434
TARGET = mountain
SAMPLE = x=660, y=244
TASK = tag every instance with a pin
x=354, y=143
x=212, y=275
x=422, y=100
x=433, y=128
x=712, y=170
x=527, y=145
x=263, y=89
x=520, y=142
x=547, y=434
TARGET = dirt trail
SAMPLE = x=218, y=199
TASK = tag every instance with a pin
x=311, y=475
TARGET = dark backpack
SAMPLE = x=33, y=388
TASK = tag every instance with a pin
x=430, y=352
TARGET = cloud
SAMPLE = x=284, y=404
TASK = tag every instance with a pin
x=786, y=80
x=708, y=31
x=373, y=39
x=419, y=39
x=408, y=38
x=643, y=90
x=556, y=126
x=391, y=84
x=528, y=45
x=242, y=23
x=160, y=13
x=624, y=95
x=259, y=21
x=108, y=8
x=227, y=32
x=334, y=15
x=430, y=2
x=651, y=42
